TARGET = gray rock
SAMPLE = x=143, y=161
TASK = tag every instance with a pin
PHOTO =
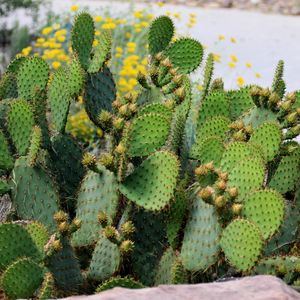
x=260, y=287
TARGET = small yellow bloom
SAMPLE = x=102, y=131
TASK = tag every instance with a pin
x=248, y=65
x=128, y=35
x=168, y=13
x=119, y=49
x=233, y=40
x=109, y=20
x=160, y=4
x=150, y=16
x=47, y=30
x=97, y=33
x=138, y=14
x=74, y=7
x=40, y=40
x=177, y=15
x=98, y=19
x=56, y=65
x=121, y=21
x=118, y=55
x=95, y=43
x=200, y=87
x=232, y=65
x=192, y=15
x=240, y=81
x=26, y=51
x=109, y=25
x=131, y=45
x=217, y=57
x=61, y=38
x=234, y=58
x=193, y=21
x=257, y=75
x=221, y=37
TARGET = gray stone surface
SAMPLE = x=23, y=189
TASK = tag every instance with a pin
x=248, y=288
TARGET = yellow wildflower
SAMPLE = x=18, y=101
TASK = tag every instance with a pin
x=248, y=65
x=74, y=7
x=97, y=33
x=233, y=40
x=217, y=57
x=56, y=64
x=200, y=87
x=109, y=25
x=95, y=43
x=240, y=81
x=47, y=30
x=192, y=15
x=119, y=49
x=118, y=55
x=128, y=35
x=160, y=4
x=121, y=21
x=221, y=37
x=257, y=75
x=40, y=40
x=232, y=65
x=61, y=38
x=26, y=51
x=234, y=58
x=177, y=15
x=98, y=19
x=138, y=14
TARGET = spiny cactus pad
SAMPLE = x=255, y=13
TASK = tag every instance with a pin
x=39, y=234
x=157, y=108
x=241, y=242
x=214, y=104
x=22, y=278
x=8, y=86
x=147, y=134
x=32, y=76
x=100, y=93
x=105, y=261
x=200, y=244
x=152, y=184
x=47, y=287
x=34, y=194
x=98, y=192
x=15, y=242
x=164, y=269
x=247, y=176
x=160, y=35
x=268, y=138
x=83, y=32
x=6, y=159
x=256, y=116
x=76, y=77
x=118, y=281
x=20, y=123
x=208, y=73
x=265, y=208
x=185, y=54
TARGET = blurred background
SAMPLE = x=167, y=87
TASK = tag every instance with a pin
x=247, y=38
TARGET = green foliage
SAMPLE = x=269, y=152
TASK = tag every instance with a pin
x=124, y=282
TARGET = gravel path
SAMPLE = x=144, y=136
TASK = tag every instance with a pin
x=260, y=39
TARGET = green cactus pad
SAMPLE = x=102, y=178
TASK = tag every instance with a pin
x=98, y=192
x=287, y=173
x=20, y=123
x=248, y=175
x=278, y=85
x=157, y=108
x=15, y=65
x=268, y=138
x=39, y=234
x=35, y=145
x=214, y=104
x=100, y=93
x=47, y=287
x=8, y=86
x=236, y=152
x=76, y=77
x=256, y=116
x=265, y=208
x=6, y=159
x=148, y=133
x=15, y=242
x=34, y=194
x=164, y=268
x=241, y=242
x=148, y=251
x=200, y=244
x=179, y=273
x=152, y=184
x=211, y=149
x=118, y=281
x=59, y=100
x=65, y=268
x=83, y=32
x=105, y=261
x=152, y=95
x=185, y=54
x=208, y=73
x=282, y=242
x=22, y=278
x=101, y=52
x=240, y=102
x=32, y=76
x=66, y=166
x=216, y=126
x=160, y=35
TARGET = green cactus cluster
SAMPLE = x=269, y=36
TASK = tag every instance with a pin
x=176, y=193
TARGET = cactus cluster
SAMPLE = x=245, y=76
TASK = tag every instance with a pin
x=176, y=193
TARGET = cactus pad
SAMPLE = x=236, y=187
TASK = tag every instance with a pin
x=6, y=159
x=39, y=234
x=247, y=176
x=105, y=261
x=98, y=192
x=185, y=54
x=118, y=281
x=268, y=138
x=160, y=35
x=152, y=184
x=265, y=208
x=256, y=116
x=8, y=86
x=32, y=76
x=200, y=244
x=76, y=77
x=148, y=133
x=157, y=108
x=15, y=242
x=22, y=278
x=241, y=242
x=83, y=32
x=164, y=269
x=20, y=123
x=47, y=287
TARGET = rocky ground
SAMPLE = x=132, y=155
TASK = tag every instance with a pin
x=288, y=7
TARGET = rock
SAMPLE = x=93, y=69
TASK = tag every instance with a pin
x=261, y=287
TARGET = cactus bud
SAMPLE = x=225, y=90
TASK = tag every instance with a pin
x=89, y=161
x=296, y=129
x=201, y=170
x=102, y=218
x=180, y=92
x=170, y=104
x=173, y=71
x=206, y=193
x=124, y=110
x=220, y=201
x=178, y=79
x=75, y=225
x=106, y=159
x=116, y=104
x=223, y=176
x=132, y=107
x=281, y=270
x=237, y=208
x=274, y=99
x=210, y=166
x=159, y=56
x=166, y=63
x=286, y=105
x=292, y=117
x=255, y=91
x=60, y=216
x=118, y=123
x=221, y=185
x=63, y=227
x=111, y=233
x=57, y=246
x=239, y=136
x=233, y=192
x=120, y=149
x=128, y=228
x=105, y=118
x=291, y=97
x=130, y=97
x=126, y=246
x=265, y=92
x=248, y=129
x=238, y=125
x=142, y=80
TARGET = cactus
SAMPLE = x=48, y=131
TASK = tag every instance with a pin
x=178, y=190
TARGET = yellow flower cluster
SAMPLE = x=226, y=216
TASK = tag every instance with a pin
x=192, y=20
